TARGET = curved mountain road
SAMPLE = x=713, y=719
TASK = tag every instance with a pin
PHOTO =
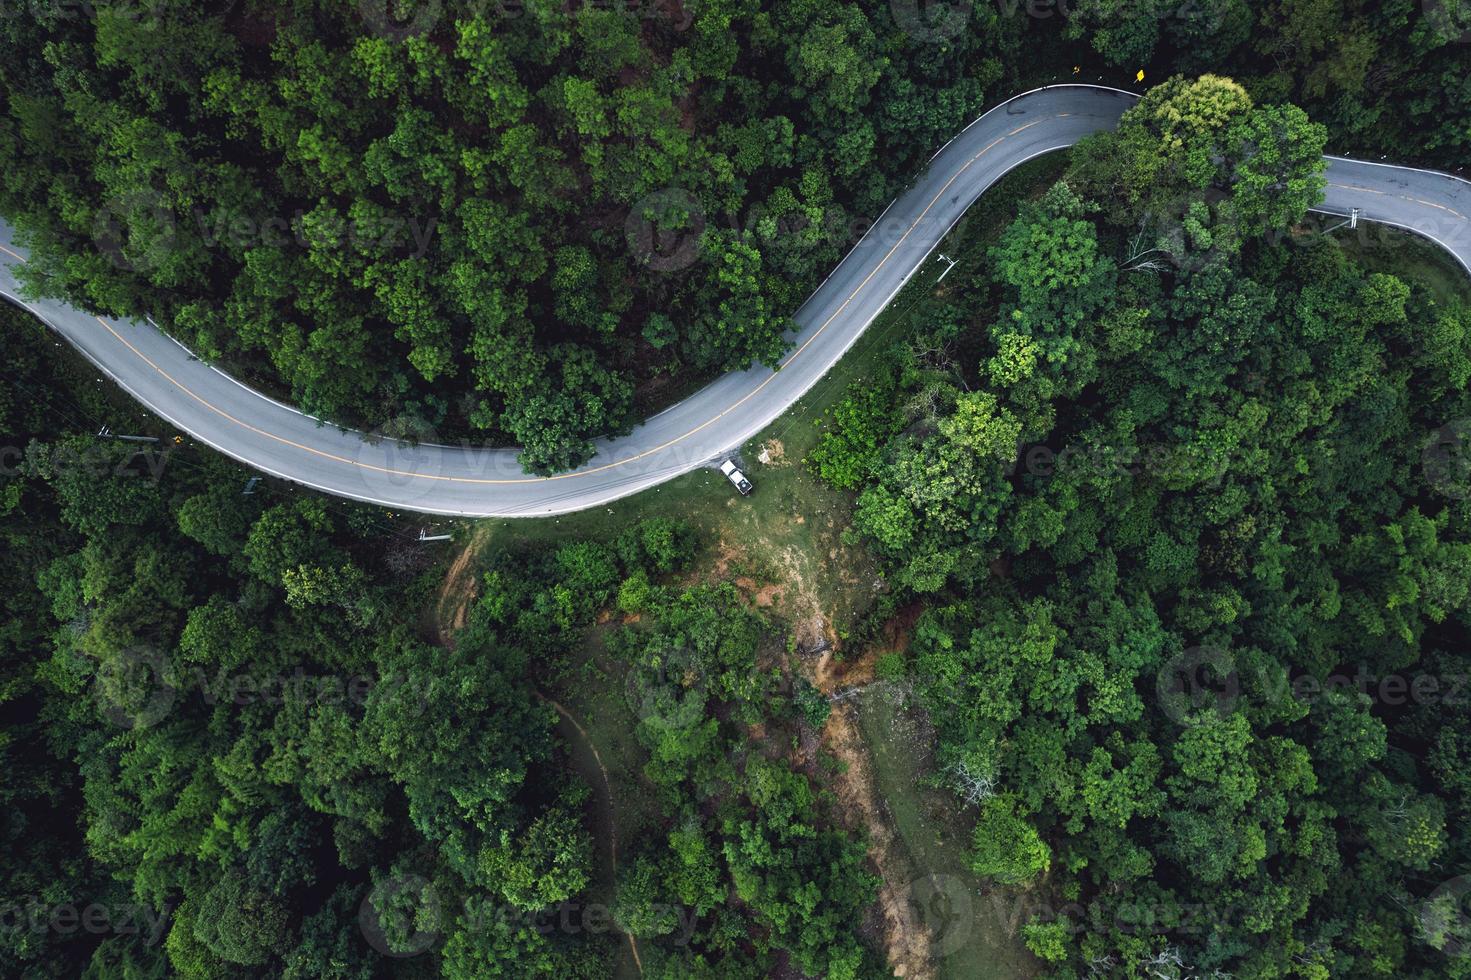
x=483, y=482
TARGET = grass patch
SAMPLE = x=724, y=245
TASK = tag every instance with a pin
x=784, y=546
x=1381, y=248
x=789, y=531
x=975, y=926
x=594, y=692
x=601, y=746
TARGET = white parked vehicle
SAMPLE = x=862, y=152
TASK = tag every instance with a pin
x=735, y=476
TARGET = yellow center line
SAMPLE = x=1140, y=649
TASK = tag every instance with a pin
x=679, y=438
x=1402, y=197
x=1442, y=207
x=606, y=466
x=9, y=252
x=219, y=411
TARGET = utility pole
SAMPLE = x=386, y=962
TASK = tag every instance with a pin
x=424, y=535
x=250, y=486
x=106, y=433
x=945, y=258
x=1352, y=222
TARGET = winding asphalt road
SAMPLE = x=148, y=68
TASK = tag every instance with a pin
x=473, y=481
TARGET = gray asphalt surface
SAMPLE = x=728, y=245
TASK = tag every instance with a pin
x=1435, y=205
x=476, y=481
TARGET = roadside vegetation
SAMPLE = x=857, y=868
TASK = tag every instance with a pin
x=1103, y=614
x=1186, y=512
x=263, y=647
x=528, y=221
x=536, y=221
x=223, y=722
x=744, y=695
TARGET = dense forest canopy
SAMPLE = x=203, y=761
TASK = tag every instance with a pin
x=1176, y=483
x=538, y=220
x=509, y=219
x=230, y=752
x=1163, y=473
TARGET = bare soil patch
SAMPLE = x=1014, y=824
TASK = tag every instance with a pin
x=904, y=940
x=458, y=591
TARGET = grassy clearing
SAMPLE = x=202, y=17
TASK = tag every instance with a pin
x=1380, y=248
x=784, y=547
x=789, y=532
x=595, y=694
x=973, y=924
x=604, y=754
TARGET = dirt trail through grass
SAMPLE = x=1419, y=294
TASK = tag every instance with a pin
x=604, y=798
x=786, y=549
x=906, y=942
x=451, y=608
x=458, y=590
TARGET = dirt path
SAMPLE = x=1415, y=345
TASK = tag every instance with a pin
x=458, y=590
x=605, y=800
x=452, y=603
x=907, y=941
x=602, y=770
